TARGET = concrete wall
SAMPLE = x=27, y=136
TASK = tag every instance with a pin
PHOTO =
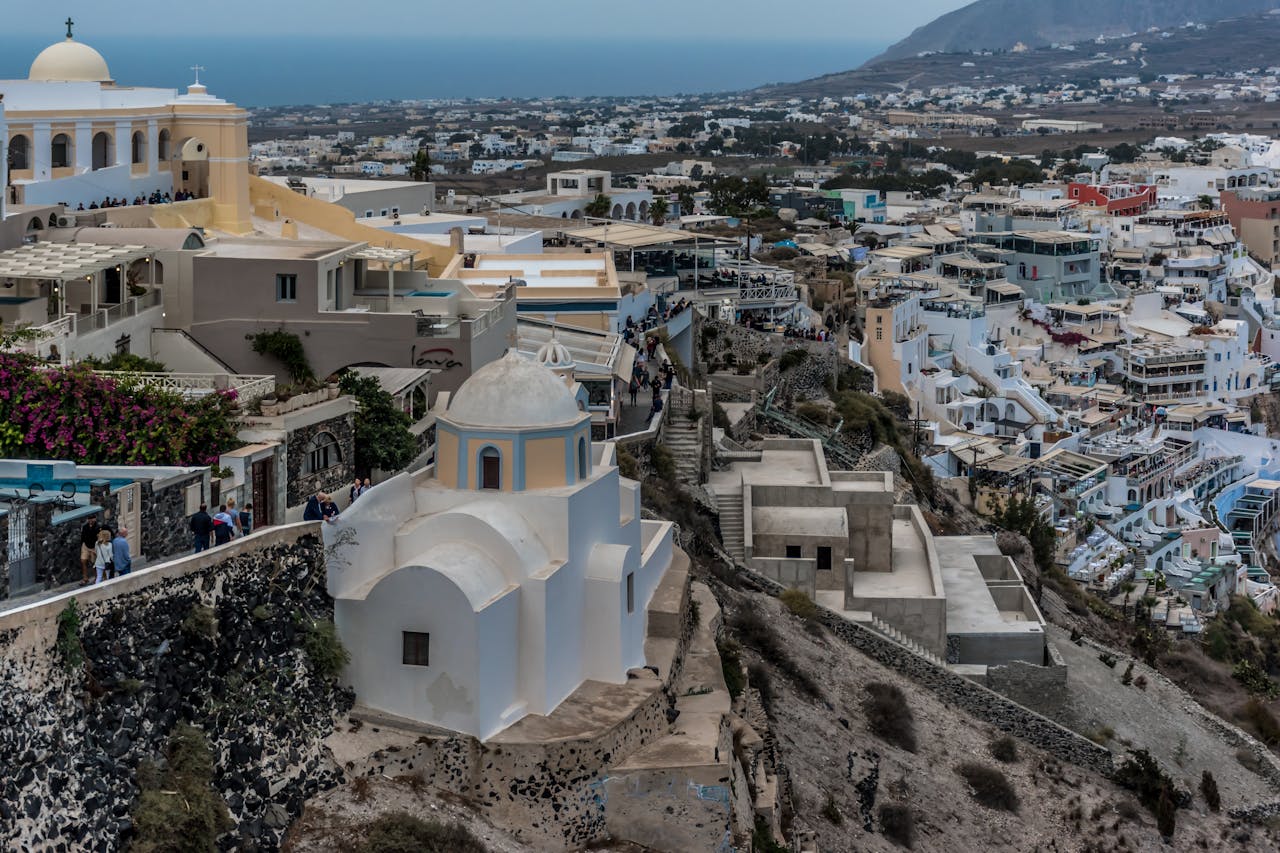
x=798, y=574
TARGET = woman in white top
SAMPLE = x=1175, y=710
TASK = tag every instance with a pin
x=102, y=554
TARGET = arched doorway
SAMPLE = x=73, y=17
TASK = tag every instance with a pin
x=644, y=210
x=104, y=150
x=616, y=213
x=193, y=167
x=19, y=153
x=631, y=210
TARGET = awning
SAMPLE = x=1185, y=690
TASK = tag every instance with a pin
x=64, y=261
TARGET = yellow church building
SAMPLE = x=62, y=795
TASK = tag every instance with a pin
x=74, y=137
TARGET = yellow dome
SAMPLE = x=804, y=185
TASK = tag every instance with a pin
x=70, y=60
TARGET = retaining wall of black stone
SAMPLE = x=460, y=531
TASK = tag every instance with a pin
x=71, y=741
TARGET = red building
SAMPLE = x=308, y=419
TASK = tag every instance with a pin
x=1118, y=199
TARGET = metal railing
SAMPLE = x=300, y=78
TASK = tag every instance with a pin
x=247, y=387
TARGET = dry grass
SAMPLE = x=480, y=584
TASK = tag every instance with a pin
x=990, y=786
x=888, y=715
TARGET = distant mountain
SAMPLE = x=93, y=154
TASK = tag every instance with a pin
x=1001, y=24
x=1217, y=48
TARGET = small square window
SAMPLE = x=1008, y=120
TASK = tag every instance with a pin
x=793, y=552
x=417, y=647
x=286, y=288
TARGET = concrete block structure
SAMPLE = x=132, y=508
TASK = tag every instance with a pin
x=842, y=538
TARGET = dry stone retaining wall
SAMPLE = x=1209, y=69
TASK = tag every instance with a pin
x=71, y=742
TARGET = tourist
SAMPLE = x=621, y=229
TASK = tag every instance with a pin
x=201, y=525
x=88, y=541
x=120, y=552
x=368, y=484
x=102, y=556
x=312, y=511
x=356, y=490
x=234, y=515
x=328, y=509
x=246, y=520
x=221, y=526
x=634, y=388
x=656, y=409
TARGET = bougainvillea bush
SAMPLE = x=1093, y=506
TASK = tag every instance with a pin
x=71, y=413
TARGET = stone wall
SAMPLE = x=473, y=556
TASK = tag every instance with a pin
x=164, y=517
x=70, y=742
x=55, y=546
x=300, y=486
x=1024, y=681
x=974, y=699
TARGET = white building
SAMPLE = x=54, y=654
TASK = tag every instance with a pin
x=492, y=585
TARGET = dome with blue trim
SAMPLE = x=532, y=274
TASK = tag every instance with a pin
x=513, y=392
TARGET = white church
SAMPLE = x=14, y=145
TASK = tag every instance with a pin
x=491, y=585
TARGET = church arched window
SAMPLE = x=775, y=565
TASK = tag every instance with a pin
x=584, y=464
x=490, y=468
x=323, y=453
x=19, y=153
x=60, y=151
x=139, y=147
x=163, y=150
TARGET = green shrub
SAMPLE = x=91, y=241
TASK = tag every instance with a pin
x=1253, y=679
x=831, y=811
x=327, y=654
x=792, y=358
x=898, y=824
x=814, y=412
x=1143, y=775
x=286, y=348
x=990, y=786
x=1263, y=721
x=888, y=715
x=262, y=612
x=719, y=417
x=401, y=832
x=1209, y=790
x=731, y=666
x=1004, y=749
x=762, y=840
x=179, y=808
x=201, y=621
x=383, y=439
x=68, y=645
x=126, y=362
x=664, y=464
x=627, y=464
x=799, y=603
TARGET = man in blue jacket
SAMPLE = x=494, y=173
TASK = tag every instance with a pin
x=120, y=552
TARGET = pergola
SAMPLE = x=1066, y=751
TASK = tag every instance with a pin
x=389, y=256
x=635, y=237
x=67, y=263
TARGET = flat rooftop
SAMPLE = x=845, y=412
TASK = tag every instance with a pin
x=291, y=250
x=970, y=607
x=910, y=577
x=789, y=467
x=831, y=522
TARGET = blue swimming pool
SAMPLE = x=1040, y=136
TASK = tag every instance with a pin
x=433, y=293
x=17, y=300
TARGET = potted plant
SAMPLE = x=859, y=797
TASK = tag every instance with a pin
x=269, y=405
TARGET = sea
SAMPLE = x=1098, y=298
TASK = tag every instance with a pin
x=282, y=69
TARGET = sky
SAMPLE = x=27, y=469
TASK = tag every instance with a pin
x=750, y=20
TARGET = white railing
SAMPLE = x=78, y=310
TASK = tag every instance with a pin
x=247, y=387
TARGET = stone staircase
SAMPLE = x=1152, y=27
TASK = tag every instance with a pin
x=903, y=640
x=682, y=436
x=732, y=527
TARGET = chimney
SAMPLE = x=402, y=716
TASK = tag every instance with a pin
x=456, y=240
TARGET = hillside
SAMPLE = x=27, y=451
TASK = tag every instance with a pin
x=1000, y=24
x=1218, y=48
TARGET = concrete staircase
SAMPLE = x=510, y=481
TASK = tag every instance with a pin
x=683, y=437
x=732, y=527
x=903, y=640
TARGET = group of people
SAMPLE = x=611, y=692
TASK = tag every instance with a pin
x=359, y=487
x=320, y=507
x=105, y=550
x=228, y=523
x=156, y=197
